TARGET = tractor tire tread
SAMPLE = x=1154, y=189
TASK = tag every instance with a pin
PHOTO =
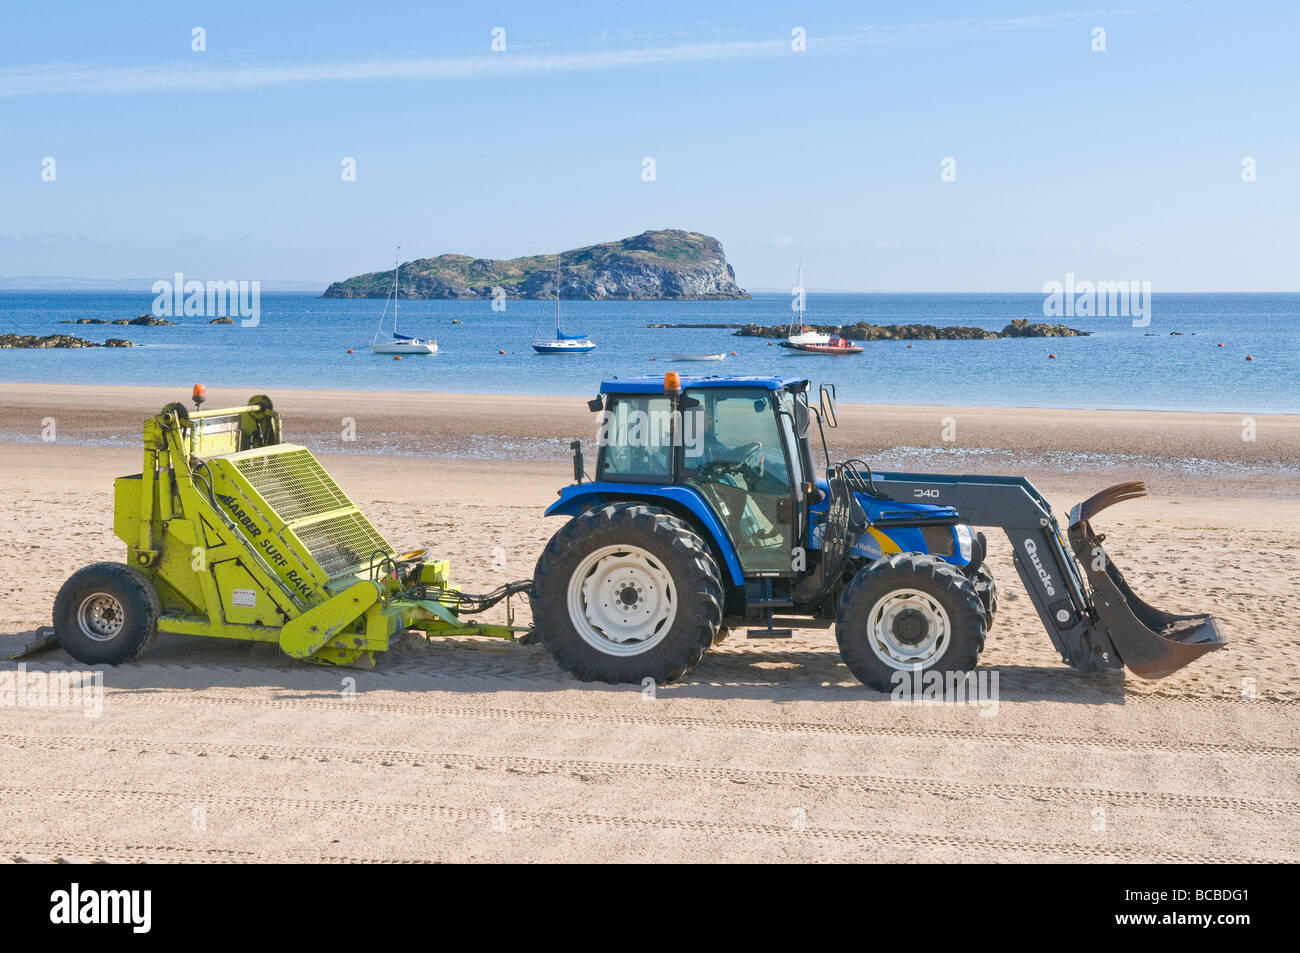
x=700, y=595
x=987, y=589
x=967, y=617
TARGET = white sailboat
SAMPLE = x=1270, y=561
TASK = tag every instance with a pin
x=805, y=341
x=803, y=337
x=399, y=343
x=561, y=343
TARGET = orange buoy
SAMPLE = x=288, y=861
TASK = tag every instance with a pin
x=1249, y=358
x=502, y=351
x=909, y=345
x=397, y=357
x=770, y=344
x=1220, y=344
x=1051, y=357
x=733, y=353
x=350, y=351
x=654, y=358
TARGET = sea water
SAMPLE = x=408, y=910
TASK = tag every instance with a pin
x=302, y=341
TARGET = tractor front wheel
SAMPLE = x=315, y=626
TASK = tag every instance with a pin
x=909, y=612
x=627, y=592
x=106, y=614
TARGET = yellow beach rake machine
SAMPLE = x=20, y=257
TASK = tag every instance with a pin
x=234, y=534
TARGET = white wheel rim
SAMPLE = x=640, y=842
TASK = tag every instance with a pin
x=622, y=600
x=908, y=629
x=100, y=617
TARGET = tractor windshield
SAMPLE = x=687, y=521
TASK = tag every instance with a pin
x=636, y=439
x=734, y=453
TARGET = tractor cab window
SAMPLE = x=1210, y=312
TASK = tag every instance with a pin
x=635, y=440
x=734, y=453
x=786, y=401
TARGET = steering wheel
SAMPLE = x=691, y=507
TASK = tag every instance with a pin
x=752, y=471
x=738, y=462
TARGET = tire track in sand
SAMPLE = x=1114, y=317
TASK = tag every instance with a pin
x=866, y=839
x=590, y=768
x=526, y=669
x=713, y=724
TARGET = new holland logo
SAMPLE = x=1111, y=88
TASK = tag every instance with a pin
x=238, y=513
x=1032, y=550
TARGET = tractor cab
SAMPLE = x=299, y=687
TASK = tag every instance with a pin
x=732, y=452
x=739, y=443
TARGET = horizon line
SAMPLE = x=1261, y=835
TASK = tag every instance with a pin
x=145, y=287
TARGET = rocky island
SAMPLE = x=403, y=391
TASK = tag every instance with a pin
x=668, y=264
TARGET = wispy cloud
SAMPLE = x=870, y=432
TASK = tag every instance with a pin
x=72, y=78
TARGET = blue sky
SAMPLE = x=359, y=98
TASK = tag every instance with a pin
x=1123, y=164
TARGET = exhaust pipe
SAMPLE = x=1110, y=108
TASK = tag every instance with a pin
x=1150, y=642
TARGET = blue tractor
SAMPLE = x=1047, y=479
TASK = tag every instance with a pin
x=707, y=512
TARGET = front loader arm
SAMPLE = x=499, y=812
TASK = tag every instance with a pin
x=1049, y=573
x=1093, y=618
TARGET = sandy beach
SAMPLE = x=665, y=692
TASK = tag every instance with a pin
x=473, y=749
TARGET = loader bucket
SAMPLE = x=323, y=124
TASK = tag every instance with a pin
x=1150, y=642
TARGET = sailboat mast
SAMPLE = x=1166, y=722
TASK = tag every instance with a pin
x=798, y=290
x=557, y=296
x=397, y=258
x=801, y=294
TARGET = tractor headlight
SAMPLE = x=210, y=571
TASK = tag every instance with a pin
x=964, y=540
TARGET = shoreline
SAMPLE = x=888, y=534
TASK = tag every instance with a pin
x=1176, y=452
x=167, y=393
x=170, y=392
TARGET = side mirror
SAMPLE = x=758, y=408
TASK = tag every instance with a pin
x=828, y=405
x=576, y=447
x=596, y=404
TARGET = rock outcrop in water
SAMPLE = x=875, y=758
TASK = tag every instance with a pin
x=144, y=321
x=862, y=331
x=1021, y=328
x=658, y=265
x=55, y=340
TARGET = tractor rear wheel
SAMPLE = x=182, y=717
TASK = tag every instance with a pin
x=106, y=614
x=627, y=592
x=909, y=612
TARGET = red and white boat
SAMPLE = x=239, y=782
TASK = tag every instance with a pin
x=809, y=341
x=835, y=344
